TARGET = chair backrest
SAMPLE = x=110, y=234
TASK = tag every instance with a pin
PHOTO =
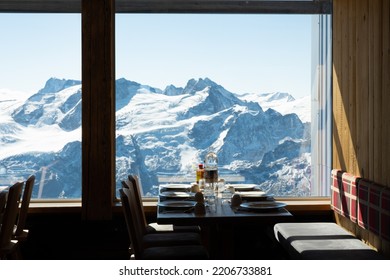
x=3, y=200
x=136, y=205
x=133, y=227
x=136, y=184
x=28, y=187
x=10, y=214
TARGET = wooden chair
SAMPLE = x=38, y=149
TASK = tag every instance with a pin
x=154, y=227
x=157, y=252
x=20, y=233
x=3, y=200
x=158, y=238
x=9, y=246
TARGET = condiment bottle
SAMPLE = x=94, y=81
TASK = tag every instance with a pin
x=211, y=173
x=200, y=172
x=211, y=168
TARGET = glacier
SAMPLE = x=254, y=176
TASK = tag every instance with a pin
x=160, y=135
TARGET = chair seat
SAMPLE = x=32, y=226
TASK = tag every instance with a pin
x=22, y=236
x=171, y=239
x=154, y=227
x=186, y=228
x=195, y=252
x=10, y=250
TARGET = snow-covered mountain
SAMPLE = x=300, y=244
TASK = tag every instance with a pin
x=159, y=132
x=282, y=102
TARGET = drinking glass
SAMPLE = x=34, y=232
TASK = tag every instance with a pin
x=224, y=192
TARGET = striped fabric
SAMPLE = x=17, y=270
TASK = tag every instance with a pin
x=335, y=201
x=362, y=201
x=385, y=214
x=344, y=194
x=369, y=205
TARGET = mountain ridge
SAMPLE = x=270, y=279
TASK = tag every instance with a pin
x=158, y=132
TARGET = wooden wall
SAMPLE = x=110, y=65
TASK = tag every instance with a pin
x=361, y=88
x=361, y=95
x=98, y=114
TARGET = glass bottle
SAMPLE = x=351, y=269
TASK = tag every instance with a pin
x=211, y=167
x=200, y=172
x=211, y=173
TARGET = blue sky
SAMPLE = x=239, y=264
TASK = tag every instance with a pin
x=35, y=47
x=243, y=53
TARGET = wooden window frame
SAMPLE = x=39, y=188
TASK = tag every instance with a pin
x=98, y=73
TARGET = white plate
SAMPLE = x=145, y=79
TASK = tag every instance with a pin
x=177, y=204
x=175, y=186
x=243, y=187
x=172, y=194
x=262, y=205
x=252, y=194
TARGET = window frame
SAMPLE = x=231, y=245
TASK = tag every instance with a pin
x=168, y=6
x=175, y=6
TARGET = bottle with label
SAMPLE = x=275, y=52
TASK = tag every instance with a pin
x=211, y=174
x=200, y=172
x=211, y=168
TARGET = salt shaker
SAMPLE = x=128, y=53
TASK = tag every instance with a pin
x=199, y=197
x=195, y=188
x=236, y=200
x=199, y=208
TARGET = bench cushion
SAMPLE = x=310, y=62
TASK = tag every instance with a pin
x=322, y=241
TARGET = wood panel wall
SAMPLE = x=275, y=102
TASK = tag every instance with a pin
x=361, y=96
x=361, y=88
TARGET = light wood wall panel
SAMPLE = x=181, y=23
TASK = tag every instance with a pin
x=361, y=88
x=361, y=95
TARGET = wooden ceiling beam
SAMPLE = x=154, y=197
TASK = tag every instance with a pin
x=40, y=6
x=174, y=6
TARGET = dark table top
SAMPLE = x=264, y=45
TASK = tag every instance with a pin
x=218, y=225
x=223, y=213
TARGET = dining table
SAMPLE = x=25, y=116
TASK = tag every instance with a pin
x=220, y=220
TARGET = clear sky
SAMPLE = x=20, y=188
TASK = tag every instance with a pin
x=243, y=53
x=35, y=47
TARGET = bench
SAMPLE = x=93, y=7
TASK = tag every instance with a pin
x=360, y=201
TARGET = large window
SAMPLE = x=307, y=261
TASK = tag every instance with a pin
x=40, y=102
x=253, y=88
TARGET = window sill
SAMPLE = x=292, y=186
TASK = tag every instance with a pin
x=293, y=204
